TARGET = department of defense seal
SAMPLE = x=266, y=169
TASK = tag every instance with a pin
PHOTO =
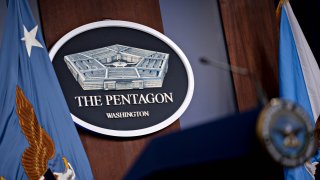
x=285, y=130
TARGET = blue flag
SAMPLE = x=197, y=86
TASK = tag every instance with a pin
x=299, y=79
x=37, y=133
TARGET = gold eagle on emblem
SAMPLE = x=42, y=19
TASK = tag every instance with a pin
x=35, y=158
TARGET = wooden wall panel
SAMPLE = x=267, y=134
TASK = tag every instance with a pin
x=61, y=16
x=109, y=157
x=252, y=42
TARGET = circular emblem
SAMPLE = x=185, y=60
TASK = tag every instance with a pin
x=121, y=78
x=286, y=131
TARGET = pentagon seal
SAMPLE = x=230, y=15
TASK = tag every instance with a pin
x=121, y=78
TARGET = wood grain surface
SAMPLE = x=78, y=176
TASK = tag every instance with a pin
x=252, y=42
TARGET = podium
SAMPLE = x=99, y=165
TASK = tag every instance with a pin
x=113, y=155
x=227, y=148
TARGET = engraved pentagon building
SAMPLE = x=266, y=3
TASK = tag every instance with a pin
x=118, y=67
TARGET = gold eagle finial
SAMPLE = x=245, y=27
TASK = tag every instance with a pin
x=35, y=158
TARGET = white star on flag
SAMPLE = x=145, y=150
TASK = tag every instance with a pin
x=30, y=39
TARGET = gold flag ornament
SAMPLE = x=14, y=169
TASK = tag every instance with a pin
x=278, y=10
x=35, y=158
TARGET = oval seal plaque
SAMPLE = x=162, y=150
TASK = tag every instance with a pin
x=121, y=78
